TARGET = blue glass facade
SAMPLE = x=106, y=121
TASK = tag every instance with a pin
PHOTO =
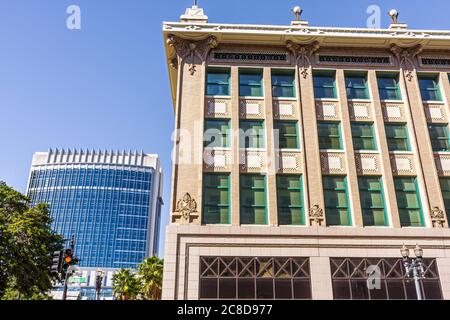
x=106, y=207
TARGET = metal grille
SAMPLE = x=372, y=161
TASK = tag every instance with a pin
x=349, y=276
x=254, y=278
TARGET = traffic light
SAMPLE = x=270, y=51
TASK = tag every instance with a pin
x=57, y=261
x=68, y=256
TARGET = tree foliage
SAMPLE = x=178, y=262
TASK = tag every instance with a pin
x=145, y=284
x=27, y=243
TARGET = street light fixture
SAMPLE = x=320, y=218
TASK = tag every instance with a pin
x=414, y=267
x=99, y=275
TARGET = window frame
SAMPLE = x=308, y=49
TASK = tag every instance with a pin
x=283, y=72
x=405, y=129
x=397, y=88
x=338, y=123
x=407, y=191
x=242, y=188
x=369, y=191
x=300, y=189
x=228, y=136
x=276, y=125
x=248, y=71
x=447, y=138
x=373, y=137
x=349, y=216
x=263, y=137
x=324, y=74
x=218, y=70
x=436, y=90
x=205, y=188
x=349, y=89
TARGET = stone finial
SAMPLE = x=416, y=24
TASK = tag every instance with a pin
x=186, y=210
x=437, y=218
x=194, y=15
x=316, y=216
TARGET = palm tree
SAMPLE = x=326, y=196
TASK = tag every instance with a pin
x=126, y=285
x=151, y=273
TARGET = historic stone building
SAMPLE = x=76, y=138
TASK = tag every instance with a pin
x=306, y=155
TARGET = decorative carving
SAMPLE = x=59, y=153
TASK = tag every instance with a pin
x=186, y=210
x=303, y=54
x=316, y=217
x=437, y=218
x=191, y=50
x=406, y=57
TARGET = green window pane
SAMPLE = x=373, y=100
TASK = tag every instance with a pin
x=374, y=217
x=336, y=200
x=439, y=137
x=397, y=137
x=250, y=84
x=216, y=199
x=216, y=134
x=363, y=136
x=357, y=87
x=408, y=202
x=290, y=216
x=253, y=199
x=252, y=134
x=283, y=84
x=329, y=135
x=429, y=88
x=324, y=86
x=218, y=82
x=389, y=88
x=290, y=200
x=287, y=134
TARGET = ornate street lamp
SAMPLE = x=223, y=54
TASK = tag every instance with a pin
x=99, y=275
x=414, y=267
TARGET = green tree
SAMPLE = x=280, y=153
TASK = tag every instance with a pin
x=150, y=272
x=27, y=243
x=126, y=285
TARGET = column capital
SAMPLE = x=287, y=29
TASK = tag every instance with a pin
x=406, y=58
x=303, y=54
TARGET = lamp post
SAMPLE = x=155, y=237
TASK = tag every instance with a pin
x=99, y=275
x=414, y=267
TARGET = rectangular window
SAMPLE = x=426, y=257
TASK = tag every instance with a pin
x=287, y=131
x=389, y=87
x=363, y=136
x=356, y=85
x=250, y=83
x=218, y=82
x=329, y=135
x=216, y=199
x=290, y=200
x=372, y=201
x=408, y=202
x=283, y=84
x=252, y=134
x=397, y=137
x=217, y=134
x=429, y=88
x=439, y=137
x=324, y=84
x=445, y=188
x=253, y=199
x=336, y=201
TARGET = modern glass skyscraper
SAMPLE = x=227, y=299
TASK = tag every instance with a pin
x=110, y=201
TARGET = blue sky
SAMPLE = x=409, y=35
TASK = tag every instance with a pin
x=106, y=85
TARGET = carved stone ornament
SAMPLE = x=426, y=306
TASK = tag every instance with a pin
x=192, y=52
x=316, y=217
x=303, y=54
x=406, y=57
x=437, y=218
x=186, y=210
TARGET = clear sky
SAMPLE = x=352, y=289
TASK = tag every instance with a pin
x=106, y=85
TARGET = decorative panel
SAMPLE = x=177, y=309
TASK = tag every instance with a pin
x=284, y=110
x=367, y=163
x=289, y=162
x=442, y=164
x=435, y=113
x=251, y=109
x=360, y=111
x=393, y=112
x=252, y=161
x=217, y=108
x=402, y=164
x=327, y=110
x=216, y=160
x=332, y=163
